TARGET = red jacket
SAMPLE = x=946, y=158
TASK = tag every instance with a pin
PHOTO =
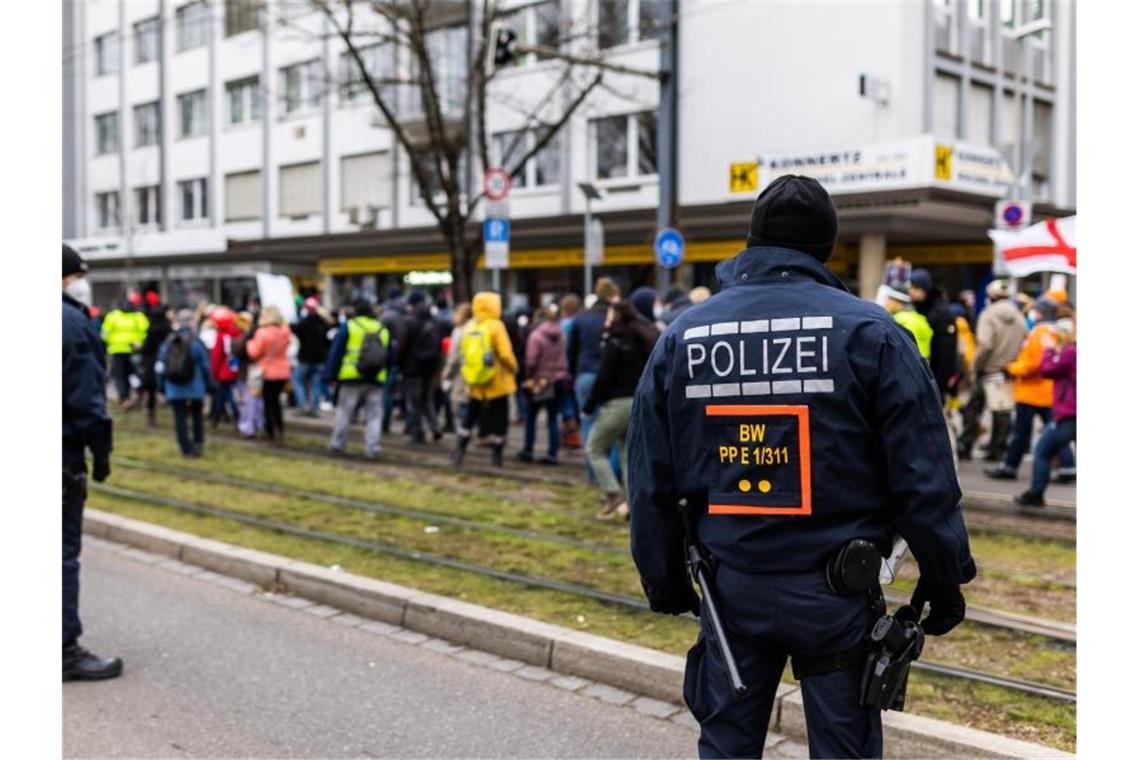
x=221, y=352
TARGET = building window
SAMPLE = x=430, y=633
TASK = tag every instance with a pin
x=107, y=54
x=107, y=133
x=510, y=147
x=946, y=106
x=147, y=124
x=625, y=146
x=243, y=100
x=300, y=190
x=981, y=114
x=538, y=24
x=193, y=24
x=107, y=210
x=193, y=200
x=447, y=51
x=366, y=181
x=147, y=40
x=1008, y=13
x=243, y=196
x=543, y=168
x=616, y=21
x=378, y=61
x=300, y=87
x=241, y=16
x=148, y=206
x=192, y=114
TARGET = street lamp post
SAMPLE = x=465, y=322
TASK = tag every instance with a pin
x=592, y=193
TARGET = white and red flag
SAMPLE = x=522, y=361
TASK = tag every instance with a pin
x=1048, y=246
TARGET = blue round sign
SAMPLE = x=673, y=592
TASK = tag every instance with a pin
x=669, y=246
x=1012, y=214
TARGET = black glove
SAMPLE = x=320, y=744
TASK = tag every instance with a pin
x=101, y=466
x=947, y=606
x=676, y=600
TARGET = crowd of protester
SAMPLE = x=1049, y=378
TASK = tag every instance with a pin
x=574, y=364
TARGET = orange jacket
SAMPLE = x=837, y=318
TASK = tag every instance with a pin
x=1029, y=387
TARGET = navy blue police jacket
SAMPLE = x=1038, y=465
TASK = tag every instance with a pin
x=85, y=420
x=793, y=417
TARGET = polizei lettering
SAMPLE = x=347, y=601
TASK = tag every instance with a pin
x=761, y=357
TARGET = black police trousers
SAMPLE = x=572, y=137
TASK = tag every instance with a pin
x=768, y=618
x=74, y=496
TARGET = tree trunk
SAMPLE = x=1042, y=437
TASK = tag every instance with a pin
x=461, y=265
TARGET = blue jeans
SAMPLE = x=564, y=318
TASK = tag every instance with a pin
x=223, y=400
x=1023, y=433
x=307, y=385
x=532, y=409
x=1054, y=439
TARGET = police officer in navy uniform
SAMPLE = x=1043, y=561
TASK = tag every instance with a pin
x=86, y=426
x=791, y=417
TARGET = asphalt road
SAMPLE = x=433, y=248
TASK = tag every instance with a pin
x=212, y=672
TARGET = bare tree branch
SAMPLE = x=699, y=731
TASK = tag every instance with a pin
x=545, y=139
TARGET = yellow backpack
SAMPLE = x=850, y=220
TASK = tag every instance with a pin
x=477, y=354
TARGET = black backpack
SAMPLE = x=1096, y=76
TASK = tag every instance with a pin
x=179, y=365
x=373, y=356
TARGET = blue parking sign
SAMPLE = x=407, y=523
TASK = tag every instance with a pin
x=496, y=230
x=669, y=246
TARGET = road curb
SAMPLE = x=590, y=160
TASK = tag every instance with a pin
x=562, y=650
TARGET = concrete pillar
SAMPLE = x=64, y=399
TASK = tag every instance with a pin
x=872, y=256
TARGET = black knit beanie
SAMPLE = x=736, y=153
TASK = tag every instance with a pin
x=795, y=212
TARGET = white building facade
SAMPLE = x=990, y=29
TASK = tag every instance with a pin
x=211, y=140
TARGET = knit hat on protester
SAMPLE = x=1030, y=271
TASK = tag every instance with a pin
x=921, y=279
x=73, y=263
x=998, y=289
x=795, y=212
x=642, y=300
x=1046, y=308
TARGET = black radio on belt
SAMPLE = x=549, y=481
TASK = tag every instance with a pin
x=854, y=568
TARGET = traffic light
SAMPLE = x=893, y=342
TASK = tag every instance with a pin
x=505, y=42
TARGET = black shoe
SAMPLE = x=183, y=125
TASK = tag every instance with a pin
x=1030, y=499
x=436, y=435
x=549, y=461
x=81, y=665
x=497, y=455
x=335, y=452
x=525, y=456
x=1067, y=479
x=965, y=454
x=1001, y=472
x=993, y=457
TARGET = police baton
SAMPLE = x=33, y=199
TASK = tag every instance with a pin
x=698, y=569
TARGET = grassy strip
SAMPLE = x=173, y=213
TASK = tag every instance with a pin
x=1017, y=655
x=1011, y=714
x=559, y=509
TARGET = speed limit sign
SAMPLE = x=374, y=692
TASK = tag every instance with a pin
x=496, y=184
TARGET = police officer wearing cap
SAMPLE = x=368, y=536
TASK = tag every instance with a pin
x=86, y=427
x=789, y=418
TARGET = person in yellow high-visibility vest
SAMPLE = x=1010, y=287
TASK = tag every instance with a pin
x=124, y=330
x=897, y=302
x=348, y=353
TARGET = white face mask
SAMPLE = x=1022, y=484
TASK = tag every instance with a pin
x=80, y=290
x=658, y=311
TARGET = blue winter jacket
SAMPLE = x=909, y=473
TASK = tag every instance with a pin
x=584, y=341
x=85, y=420
x=793, y=417
x=196, y=388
